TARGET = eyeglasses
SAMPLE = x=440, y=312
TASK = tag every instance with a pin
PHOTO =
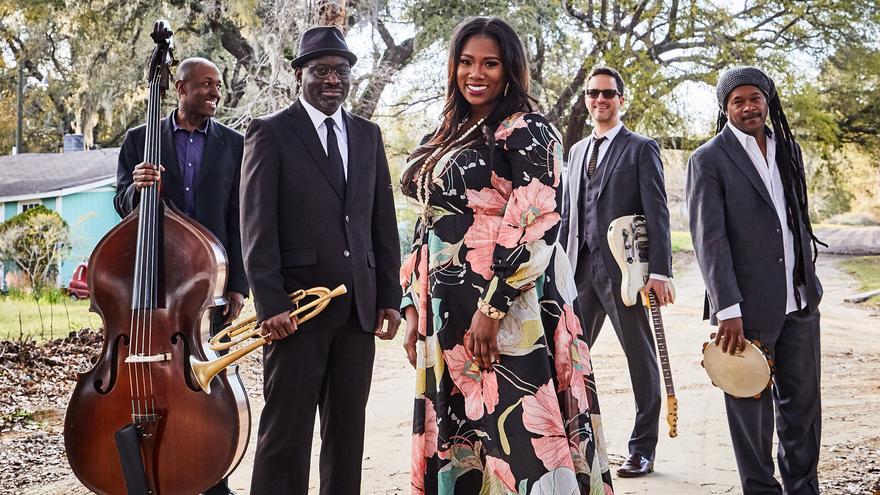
x=323, y=71
x=606, y=93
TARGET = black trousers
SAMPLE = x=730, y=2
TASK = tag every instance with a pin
x=796, y=395
x=222, y=486
x=599, y=297
x=328, y=370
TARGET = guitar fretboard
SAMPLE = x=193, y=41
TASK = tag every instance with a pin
x=662, y=351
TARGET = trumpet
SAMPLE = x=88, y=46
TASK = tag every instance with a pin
x=204, y=371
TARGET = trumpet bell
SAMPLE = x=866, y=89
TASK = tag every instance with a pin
x=205, y=371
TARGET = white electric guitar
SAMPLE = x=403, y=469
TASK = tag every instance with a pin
x=628, y=240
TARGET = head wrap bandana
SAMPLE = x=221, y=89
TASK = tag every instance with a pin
x=743, y=76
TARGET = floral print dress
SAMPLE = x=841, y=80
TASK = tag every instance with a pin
x=531, y=424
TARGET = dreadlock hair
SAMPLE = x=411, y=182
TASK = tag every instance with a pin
x=515, y=99
x=789, y=161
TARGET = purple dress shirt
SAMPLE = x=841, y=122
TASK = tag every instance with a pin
x=190, y=147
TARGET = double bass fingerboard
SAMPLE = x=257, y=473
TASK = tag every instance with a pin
x=148, y=255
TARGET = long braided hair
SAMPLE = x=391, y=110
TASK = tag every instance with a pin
x=789, y=161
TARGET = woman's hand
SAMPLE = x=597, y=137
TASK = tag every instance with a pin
x=411, y=335
x=480, y=340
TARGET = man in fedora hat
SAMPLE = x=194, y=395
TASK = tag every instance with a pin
x=318, y=211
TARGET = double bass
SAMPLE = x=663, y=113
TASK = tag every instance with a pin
x=138, y=422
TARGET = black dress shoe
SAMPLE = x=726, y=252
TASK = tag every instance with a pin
x=635, y=466
x=221, y=488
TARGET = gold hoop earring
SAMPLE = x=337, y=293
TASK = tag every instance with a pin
x=506, y=88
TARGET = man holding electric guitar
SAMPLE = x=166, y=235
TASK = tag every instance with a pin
x=612, y=173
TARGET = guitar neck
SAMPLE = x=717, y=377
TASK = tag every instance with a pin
x=662, y=351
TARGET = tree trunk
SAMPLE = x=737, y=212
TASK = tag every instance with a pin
x=393, y=60
x=577, y=118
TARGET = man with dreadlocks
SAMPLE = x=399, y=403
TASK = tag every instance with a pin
x=749, y=219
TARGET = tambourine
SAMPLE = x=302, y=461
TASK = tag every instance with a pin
x=742, y=375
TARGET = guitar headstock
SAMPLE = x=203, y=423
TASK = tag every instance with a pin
x=672, y=415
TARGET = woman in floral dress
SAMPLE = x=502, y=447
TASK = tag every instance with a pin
x=505, y=397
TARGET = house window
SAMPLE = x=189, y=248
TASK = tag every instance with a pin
x=24, y=206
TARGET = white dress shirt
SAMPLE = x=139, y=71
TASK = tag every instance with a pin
x=769, y=173
x=318, y=117
x=603, y=148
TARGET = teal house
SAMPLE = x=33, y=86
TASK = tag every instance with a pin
x=78, y=185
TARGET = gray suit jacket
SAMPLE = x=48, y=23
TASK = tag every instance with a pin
x=738, y=238
x=631, y=183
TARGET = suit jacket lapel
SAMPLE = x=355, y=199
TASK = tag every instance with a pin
x=356, y=141
x=741, y=159
x=612, y=156
x=576, y=167
x=575, y=171
x=213, y=151
x=302, y=126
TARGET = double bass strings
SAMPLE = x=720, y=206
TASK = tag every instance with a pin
x=152, y=248
x=140, y=374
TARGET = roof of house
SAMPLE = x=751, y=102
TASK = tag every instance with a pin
x=37, y=175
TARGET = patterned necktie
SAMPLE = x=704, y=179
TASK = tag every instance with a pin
x=336, y=167
x=594, y=156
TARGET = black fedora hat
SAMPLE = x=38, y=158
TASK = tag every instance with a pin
x=319, y=41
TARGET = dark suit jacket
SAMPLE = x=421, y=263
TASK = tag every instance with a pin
x=299, y=231
x=216, y=198
x=631, y=184
x=737, y=236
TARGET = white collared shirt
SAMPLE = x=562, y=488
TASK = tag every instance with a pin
x=769, y=173
x=318, y=117
x=603, y=148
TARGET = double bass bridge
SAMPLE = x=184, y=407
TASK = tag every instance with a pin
x=142, y=419
x=153, y=358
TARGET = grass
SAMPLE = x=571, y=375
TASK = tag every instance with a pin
x=22, y=318
x=681, y=241
x=866, y=270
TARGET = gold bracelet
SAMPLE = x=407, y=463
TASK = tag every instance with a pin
x=490, y=311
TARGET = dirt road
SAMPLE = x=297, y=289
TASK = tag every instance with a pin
x=700, y=460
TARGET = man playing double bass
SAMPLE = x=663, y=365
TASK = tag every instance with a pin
x=318, y=211
x=203, y=159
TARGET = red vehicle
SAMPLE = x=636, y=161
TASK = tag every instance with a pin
x=78, y=287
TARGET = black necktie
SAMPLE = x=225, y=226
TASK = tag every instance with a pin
x=336, y=168
x=594, y=156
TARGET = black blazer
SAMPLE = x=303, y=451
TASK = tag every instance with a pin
x=738, y=237
x=298, y=230
x=631, y=184
x=216, y=199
